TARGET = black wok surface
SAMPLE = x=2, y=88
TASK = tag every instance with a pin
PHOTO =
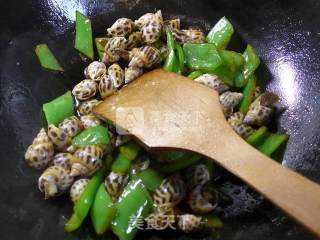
x=286, y=35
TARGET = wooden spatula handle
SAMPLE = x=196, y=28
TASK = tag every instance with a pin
x=295, y=194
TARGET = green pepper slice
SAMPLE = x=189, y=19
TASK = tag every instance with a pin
x=248, y=94
x=58, y=109
x=84, y=42
x=252, y=61
x=121, y=164
x=100, y=44
x=221, y=33
x=130, y=150
x=150, y=178
x=195, y=74
x=47, y=59
x=92, y=136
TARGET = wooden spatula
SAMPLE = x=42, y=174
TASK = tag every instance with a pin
x=166, y=110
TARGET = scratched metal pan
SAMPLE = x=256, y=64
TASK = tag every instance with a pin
x=286, y=35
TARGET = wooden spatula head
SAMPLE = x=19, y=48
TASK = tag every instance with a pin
x=164, y=109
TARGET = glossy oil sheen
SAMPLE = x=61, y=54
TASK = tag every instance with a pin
x=286, y=35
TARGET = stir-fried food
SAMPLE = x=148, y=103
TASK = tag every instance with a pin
x=124, y=187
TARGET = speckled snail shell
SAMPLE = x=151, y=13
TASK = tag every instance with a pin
x=116, y=43
x=134, y=40
x=152, y=31
x=189, y=223
x=59, y=138
x=122, y=139
x=173, y=23
x=85, y=89
x=63, y=160
x=87, y=106
x=96, y=70
x=260, y=111
x=121, y=28
x=143, y=20
x=78, y=188
x=229, y=100
x=72, y=126
x=116, y=73
x=236, y=122
x=90, y=120
x=115, y=183
x=213, y=82
x=202, y=199
x=146, y=56
x=161, y=220
x=197, y=175
x=188, y=35
x=106, y=87
x=170, y=192
x=39, y=154
x=131, y=74
x=86, y=160
x=54, y=181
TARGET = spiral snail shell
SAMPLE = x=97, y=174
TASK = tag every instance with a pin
x=78, y=188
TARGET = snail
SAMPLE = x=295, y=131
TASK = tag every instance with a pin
x=113, y=45
x=96, y=70
x=54, y=181
x=85, y=89
x=260, y=111
x=152, y=29
x=236, y=122
x=63, y=159
x=78, y=188
x=173, y=23
x=72, y=126
x=115, y=183
x=188, y=35
x=202, y=199
x=87, y=106
x=134, y=40
x=140, y=164
x=213, y=82
x=146, y=57
x=39, y=154
x=197, y=175
x=116, y=74
x=143, y=20
x=257, y=92
x=121, y=28
x=90, y=120
x=189, y=223
x=162, y=219
x=106, y=87
x=229, y=100
x=170, y=192
x=59, y=138
x=86, y=160
x=131, y=74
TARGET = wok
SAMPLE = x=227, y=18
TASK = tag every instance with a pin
x=286, y=35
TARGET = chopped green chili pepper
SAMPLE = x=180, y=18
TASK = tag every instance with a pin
x=100, y=44
x=134, y=204
x=108, y=162
x=172, y=62
x=231, y=67
x=181, y=57
x=177, y=165
x=58, y=109
x=257, y=137
x=150, y=178
x=272, y=143
x=252, y=61
x=221, y=33
x=212, y=221
x=203, y=56
x=121, y=164
x=195, y=74
x=130, y=150
x=83, y=42
x=47, y=59
x=82, y=207
x=248, y=94
x=92, y=136
x=103, y=210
